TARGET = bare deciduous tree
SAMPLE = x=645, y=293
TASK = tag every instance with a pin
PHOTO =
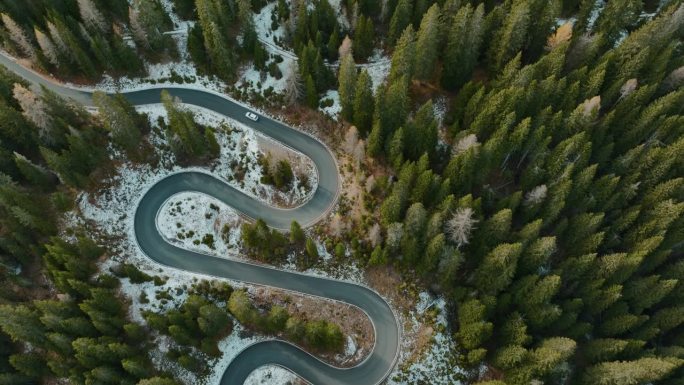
x=375, y=235
x=337, y=226
x=34, y=109
x=18, y=36
x=345, y=47
x=354, y=17
x=395, y=232
x=91, y=15
x=137, y=28
x=465, y=143
x=351, y=138
x=674, y=79
x=370, y=183
x=359, y=152
x=536, y=195
x=56, y=37
x=293, y=85
x=46, y=45
x=461, y=225
x=592, y=105
x=629, y=87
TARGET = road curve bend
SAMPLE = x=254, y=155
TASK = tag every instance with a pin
x=377, y=366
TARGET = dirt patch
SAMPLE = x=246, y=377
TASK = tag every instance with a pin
x=353, y=322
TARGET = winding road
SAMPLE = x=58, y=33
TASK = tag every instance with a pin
x=376, y=367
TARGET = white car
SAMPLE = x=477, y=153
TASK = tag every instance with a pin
x=252, y=116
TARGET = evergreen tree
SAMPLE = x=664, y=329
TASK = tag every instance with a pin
x=427, y=43
x=632, y=372
x=311, y=93
x=187, y=138
x=35, y=174
x=363, y=102
x=404, y=57
x=511, y=37
x=364, y=37
x=297, y=235
x=464, y=40
x=119, y=117
x=148, y=21
x=616, y=16
x=347, y=86
x=214, y=17
x=401, y=18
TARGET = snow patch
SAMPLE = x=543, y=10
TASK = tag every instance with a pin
x=333, y=110
x=271, y=375
x=350, y=347
x=378, y=67
x=436, y=365
x=237, y=164
x=201, y=223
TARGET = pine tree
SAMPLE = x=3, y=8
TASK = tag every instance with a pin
x=311, y=93
x=474, y=329
x=186, y=136
x=148, y=22
x=364, y=36
x=401, y=18
x=334, y=44
x=464, y=40
x=404, y=57
x=396, y=106
x=297, y=235
x=363, y=102
x=35, y=174
x=311, y=249
x=421, y=132
x=427, y=43
x=120, y=119
x=616, y=16
x=347, y=86
x=213, y=320
x=22, y=324
x=213, y=19
x=241, y=307
x=510, y=39
x=498, y=268
x=643, y=370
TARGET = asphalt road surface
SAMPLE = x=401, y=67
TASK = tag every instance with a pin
x=378, y=364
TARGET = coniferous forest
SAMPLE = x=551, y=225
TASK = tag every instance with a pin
x=527, y=158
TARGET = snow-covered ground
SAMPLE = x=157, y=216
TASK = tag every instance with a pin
x=435, y=366
x=201, y=223
x=240, y=148
x=270, y=375
x=333, y=110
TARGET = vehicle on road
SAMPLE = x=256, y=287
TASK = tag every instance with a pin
x=252, y=116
